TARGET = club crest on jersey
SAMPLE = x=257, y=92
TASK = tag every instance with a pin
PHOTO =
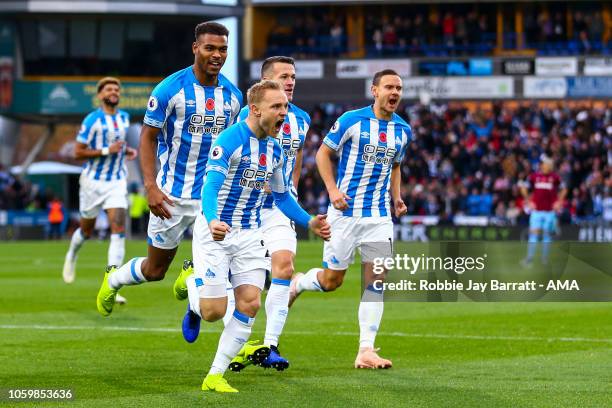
x=382, y=136
x=216, y=153
x=262, y=159
x=210, y=104
x=152, y=104
x=286, y=128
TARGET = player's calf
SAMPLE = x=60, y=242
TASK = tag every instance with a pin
x=331, y=280
x=154, y=271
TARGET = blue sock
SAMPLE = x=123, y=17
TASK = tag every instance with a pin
x=532, y=246
x=546, y=241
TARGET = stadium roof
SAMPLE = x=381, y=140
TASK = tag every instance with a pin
x=48, y=167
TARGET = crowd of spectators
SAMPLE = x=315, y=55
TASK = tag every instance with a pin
x=548, y=32
x=464, y=162
x=434, y=34
x=314, y=35
x=451, y=30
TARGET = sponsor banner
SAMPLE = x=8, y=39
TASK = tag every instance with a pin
x=367, y=68
x=478, y=66
x=303, y=69
x=481, y=66
x=74, y=97
x=424, y=233
x=544, y=87
x=420, y=219
x=598, y=66
x=590, y=87
x=23, y=218
x=556, y=66
x=517, y=67
x=455, y=87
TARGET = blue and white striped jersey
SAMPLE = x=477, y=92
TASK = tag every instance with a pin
x=190, y=117
x=291, y=138
x=248, y=164
x=367, y=148
x=100, y=130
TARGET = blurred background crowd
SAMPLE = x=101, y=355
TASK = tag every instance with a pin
x=470, y=163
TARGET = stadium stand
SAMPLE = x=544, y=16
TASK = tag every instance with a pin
x=468, y=162
x=393, y=30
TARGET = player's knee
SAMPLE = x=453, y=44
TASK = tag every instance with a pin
x=249, y=307
x=86, y=232
x=283, y=270
x=212, y=313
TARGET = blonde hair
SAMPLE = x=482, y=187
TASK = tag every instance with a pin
x=256, y=92
x=108, y=80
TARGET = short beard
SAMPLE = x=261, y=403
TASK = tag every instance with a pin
x=110, y=103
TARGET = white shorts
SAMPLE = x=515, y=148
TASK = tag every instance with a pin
x=278, y=231
x=96, y=195
x=168, y=233
x=242, y=251
x=349, y=233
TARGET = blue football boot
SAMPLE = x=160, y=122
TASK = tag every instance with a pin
x=191, y=326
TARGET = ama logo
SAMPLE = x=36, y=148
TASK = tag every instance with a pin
x=382, y=136
x=286, y=128
x=262, y=160
x=210, y=104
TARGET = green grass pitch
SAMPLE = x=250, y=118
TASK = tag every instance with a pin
x=444, y=354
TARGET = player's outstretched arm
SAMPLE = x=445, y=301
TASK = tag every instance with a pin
x=326, y=169
x=210, y=192
x=155, y=197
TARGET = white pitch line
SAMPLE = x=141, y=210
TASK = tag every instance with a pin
x=312, y=333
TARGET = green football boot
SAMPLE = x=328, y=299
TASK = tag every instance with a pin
x=250, y=353
x=106, y=296
x=180, y=284
x=216, y=382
